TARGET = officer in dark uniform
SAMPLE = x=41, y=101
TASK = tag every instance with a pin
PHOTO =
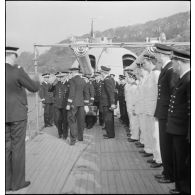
x=97, y=83
x=107, y=102
x=17, y=80
x=89, y=119
x=165, y=88
x=178, y=124
x=47, y=100
x=77, y=105
x=116, y=88
x=60, y=89
x=122, y=103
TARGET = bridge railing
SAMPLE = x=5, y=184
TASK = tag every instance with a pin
x=32, y=128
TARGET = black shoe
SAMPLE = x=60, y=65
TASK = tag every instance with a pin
x=60, y=136
x=72, y=143
x=140, y=146
x=137, y=143
x=27, y=183
x=147, y=155
x=131, y=140
x=151, y=161
x=159, y=176
x=156, y=165
x=164, y=180
x=174, y=191
x=103, y=128
x=142, y=152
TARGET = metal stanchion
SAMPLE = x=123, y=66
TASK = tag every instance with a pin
x=36, y=95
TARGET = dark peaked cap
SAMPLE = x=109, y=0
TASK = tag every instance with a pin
x=9, y=49
x=149, y=57
x=180, y=54
x=104, y=68
x=164, y=49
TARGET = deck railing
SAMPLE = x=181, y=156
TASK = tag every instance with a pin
x=32, y=128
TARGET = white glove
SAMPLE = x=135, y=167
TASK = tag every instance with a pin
x=86, y=108
x=113, y=107
x=68, y=107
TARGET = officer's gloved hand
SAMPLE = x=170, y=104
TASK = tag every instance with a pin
x=68, y=107
x=113, y=106
x=86, y=108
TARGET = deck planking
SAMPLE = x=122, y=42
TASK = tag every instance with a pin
x=95, y=166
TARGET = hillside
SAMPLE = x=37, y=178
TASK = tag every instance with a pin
x=176, y=28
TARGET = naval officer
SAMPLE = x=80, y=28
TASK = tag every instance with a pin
x=165, y=88
x=77, y=105
x=17, y=80
x=178, y=124
x=107, y=102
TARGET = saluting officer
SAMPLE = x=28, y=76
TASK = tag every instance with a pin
x=178, y=124
x=107, y=102
x=165, y=88
x=60, y=89
x=17, y=80
x=77, y=105
x=47, y=100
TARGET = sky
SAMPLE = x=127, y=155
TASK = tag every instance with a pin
x=51, y=22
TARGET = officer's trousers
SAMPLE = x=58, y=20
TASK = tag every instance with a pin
x=15, y=134
x=109, y=121
x=61, y=121
x=153, y=137
x=100, y=113
x=141, y=138
x=181, y=149
x=48, y=114
x=166, y=145
x=76, y=121
x=143, y=129
x=134, y=126
x=148, y=133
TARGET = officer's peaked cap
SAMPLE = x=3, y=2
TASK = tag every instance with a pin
x=104, y=68
x=149, y=57
x=164, y=49
x=180, y=54
x=9, y=49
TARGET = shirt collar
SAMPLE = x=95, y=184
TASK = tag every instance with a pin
x=166, y=64
x=184, y=73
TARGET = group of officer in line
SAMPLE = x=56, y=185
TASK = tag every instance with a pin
x=154, y=102
x=72, y=99
x=157, y=96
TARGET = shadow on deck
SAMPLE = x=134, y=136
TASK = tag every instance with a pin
x=95, y=166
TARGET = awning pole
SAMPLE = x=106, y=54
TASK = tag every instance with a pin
x=36, y=94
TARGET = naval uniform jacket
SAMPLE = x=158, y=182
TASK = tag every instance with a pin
x=107, y=92
x=179, y=107
x=16, y=100
x=78, y=92
x=45, y=94
x=97, y=89
x=164, y=91
x=60, y=92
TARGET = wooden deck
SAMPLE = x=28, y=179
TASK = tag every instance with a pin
x=95, y=166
